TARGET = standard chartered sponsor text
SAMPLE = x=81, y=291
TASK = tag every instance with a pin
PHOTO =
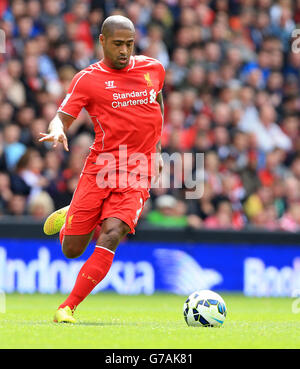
x=120, y=99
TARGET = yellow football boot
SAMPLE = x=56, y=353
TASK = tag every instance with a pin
x=64, y=315
x=55, y=221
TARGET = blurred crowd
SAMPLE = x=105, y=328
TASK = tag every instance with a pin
x=231, y=92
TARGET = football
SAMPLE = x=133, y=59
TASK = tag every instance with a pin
x=204, y=308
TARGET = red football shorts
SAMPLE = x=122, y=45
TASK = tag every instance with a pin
x=91, y=204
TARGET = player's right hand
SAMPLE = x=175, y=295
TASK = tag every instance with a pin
x=55, y=137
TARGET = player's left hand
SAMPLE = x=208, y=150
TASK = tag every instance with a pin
x=159, y=164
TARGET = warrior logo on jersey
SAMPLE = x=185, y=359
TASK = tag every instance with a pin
x=110, y=84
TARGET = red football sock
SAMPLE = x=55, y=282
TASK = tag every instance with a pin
x=91, y=273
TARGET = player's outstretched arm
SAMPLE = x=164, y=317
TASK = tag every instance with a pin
x=57, y=128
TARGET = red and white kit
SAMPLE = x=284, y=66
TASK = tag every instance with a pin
x=127, y=122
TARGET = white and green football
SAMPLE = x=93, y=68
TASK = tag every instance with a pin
x=204, y=308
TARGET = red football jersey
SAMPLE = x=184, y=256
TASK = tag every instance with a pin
x=122, y=105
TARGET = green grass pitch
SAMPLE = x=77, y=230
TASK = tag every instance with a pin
x=155, y=322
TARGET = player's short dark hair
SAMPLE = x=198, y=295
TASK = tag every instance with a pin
x=114, y=22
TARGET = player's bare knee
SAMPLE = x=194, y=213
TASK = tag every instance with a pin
x=119, y=231
x=113, y=234
x=113, y=237
x=70, y=250
x=74, y=246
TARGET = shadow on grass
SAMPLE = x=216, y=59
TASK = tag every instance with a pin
x=104, y=324
x=78, y=324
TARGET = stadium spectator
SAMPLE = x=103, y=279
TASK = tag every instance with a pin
x=268, y=133
x=168, y=213
x=29, y=168
x=16, y=205
x=290, y=221
x=224, y=217
x=13, y=148
x=40, y=206
x=5, y=191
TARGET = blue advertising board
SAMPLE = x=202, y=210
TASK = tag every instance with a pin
x=36, y=265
